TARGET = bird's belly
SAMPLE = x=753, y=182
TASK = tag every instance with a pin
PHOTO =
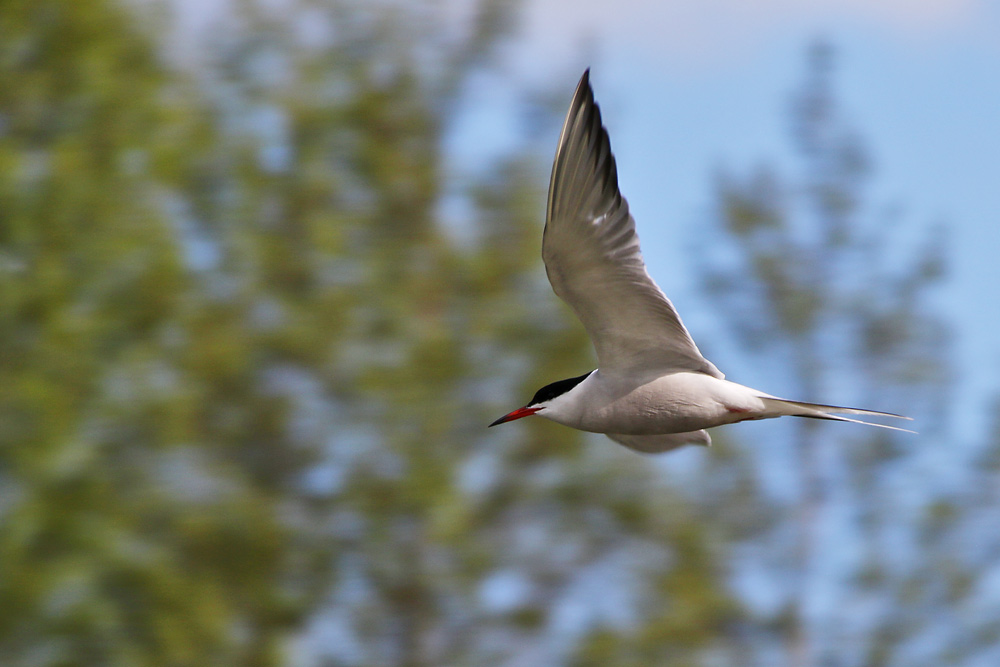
x=676, y=403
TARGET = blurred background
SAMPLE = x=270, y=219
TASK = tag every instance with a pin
x=269, y=267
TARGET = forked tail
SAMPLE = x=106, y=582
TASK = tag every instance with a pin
x=787, y=408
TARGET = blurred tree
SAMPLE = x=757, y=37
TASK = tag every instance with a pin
x=146, y=449
x=839, y=302
x=454, y=545
x=247, y=369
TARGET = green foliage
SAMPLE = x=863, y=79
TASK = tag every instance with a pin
x=247, y=371
x=142, y=457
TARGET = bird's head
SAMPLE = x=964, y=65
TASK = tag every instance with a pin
x=544, y=399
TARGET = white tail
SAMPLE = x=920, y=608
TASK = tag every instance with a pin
x=785, y=408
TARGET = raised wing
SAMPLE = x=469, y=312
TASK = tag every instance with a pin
x=592, y=256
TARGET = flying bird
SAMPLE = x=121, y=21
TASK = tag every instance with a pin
x=653, y=391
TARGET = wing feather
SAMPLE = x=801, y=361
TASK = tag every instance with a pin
x=592, y=257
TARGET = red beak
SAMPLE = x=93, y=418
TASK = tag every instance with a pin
x=517, y=414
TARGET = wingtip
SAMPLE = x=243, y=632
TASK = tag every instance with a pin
x=583, y=97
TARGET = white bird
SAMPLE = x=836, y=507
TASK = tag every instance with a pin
x=653, y=391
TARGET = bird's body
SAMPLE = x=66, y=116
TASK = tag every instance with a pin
x=653, y=390
x=654, y=404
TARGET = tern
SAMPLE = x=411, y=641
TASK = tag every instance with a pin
x=653, y=391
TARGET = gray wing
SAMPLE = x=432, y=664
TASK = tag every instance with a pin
x=592, y=258
x=656, y=444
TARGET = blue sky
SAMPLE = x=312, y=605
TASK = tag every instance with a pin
x=686, y=87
